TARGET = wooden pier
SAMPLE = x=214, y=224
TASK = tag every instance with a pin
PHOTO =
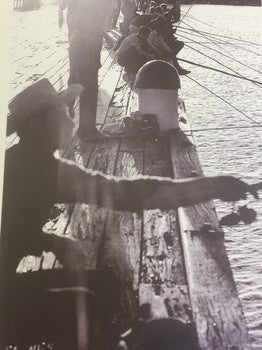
x=175, y=260
x=26, y=4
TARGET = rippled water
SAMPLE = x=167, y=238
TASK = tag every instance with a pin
x=238, y=151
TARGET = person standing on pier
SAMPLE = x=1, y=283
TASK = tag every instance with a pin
x=86, y=22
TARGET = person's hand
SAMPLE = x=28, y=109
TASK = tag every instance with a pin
x=229, y=188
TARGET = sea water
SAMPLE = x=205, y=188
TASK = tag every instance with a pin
x=229, y=151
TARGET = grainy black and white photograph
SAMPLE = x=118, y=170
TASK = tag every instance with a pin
x=131, y=213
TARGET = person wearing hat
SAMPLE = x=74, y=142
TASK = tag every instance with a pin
x=35, y=178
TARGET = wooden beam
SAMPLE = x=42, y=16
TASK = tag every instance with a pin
x=163, y=281
x=106, y=92
x=216, y=307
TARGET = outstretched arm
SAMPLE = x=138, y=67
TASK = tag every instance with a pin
x=77, y=184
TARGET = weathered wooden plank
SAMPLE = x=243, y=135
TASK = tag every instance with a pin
x=216, y=308
x=106, y=63
x=120, y=251
x=133, y=103
x=60, y=215
x=163, y=273
x=166, y=301
x=87, y=222
x=122, y=93
x=115, y=115
x=46, y=66
x=106, y=91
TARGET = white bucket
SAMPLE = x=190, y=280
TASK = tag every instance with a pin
x=163, y=103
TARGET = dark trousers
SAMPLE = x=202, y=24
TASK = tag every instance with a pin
x=84, y=59
x=175, y=46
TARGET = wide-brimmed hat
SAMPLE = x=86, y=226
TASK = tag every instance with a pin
x=35, y=99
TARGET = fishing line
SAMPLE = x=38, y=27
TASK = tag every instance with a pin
x=224, y=42
x=185, y=14
x=222, y=36
x=198, y=20
x=228, y=128
x=228, y=56
x=218, y=70
x=213, y=59
x=221, y=98
x=198, y=34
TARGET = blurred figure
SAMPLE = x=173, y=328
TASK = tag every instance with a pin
x=136, y=50
x=87, y=22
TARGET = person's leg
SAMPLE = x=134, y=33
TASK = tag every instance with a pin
x=176, y=45
x=88, y=102
x=73, y=68
x=87, y=51
x=180, y=70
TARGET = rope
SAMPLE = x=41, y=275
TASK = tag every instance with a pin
x=213, y=59
x=232, y=58
x=221, y=98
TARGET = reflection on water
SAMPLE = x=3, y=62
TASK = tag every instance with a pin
x=238, y=151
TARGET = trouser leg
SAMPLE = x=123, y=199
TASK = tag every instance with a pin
x=88, y=102
x=84, y=65
x=175, y=45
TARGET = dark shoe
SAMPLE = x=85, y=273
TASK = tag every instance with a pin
x=182, y=71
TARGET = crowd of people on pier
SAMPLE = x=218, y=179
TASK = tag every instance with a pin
x=147, y=33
